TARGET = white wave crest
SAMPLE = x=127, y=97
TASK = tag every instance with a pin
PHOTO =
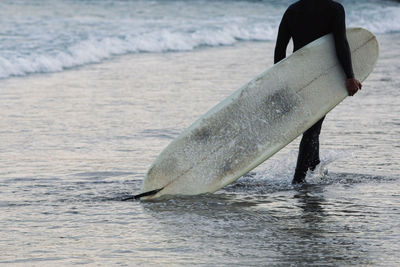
x=96, y=50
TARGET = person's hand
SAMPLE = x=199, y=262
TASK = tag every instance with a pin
x=352, y=86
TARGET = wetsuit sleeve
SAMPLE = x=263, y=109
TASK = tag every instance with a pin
x=282, y=39
x=341, y=43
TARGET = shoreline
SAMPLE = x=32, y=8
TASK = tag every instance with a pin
x=202, y=49
x=130, y=56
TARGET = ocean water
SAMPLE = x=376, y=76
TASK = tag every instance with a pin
x=48, y=36
x=92, y=91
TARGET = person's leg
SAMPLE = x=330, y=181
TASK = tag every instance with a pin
x=308, y=157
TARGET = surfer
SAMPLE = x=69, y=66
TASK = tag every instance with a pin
x=304, y=22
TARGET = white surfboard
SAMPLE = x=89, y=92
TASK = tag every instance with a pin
x=259, y=119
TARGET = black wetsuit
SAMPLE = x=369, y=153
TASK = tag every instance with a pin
x=306, y=21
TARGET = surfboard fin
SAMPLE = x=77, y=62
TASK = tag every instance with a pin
x=145, y=194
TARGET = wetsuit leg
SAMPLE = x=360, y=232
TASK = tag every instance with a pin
x=308, y=157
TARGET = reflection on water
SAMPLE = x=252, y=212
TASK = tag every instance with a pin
x=288, y=226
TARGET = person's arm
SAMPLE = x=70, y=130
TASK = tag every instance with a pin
x=282, y=40
x=343, y=51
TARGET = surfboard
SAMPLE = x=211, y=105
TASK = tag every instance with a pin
x=259, y=119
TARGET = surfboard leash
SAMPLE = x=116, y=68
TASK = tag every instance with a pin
x=145, y=194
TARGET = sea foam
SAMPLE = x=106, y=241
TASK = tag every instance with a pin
x=57, y=35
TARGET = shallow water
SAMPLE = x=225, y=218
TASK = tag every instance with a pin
x=73, y=144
